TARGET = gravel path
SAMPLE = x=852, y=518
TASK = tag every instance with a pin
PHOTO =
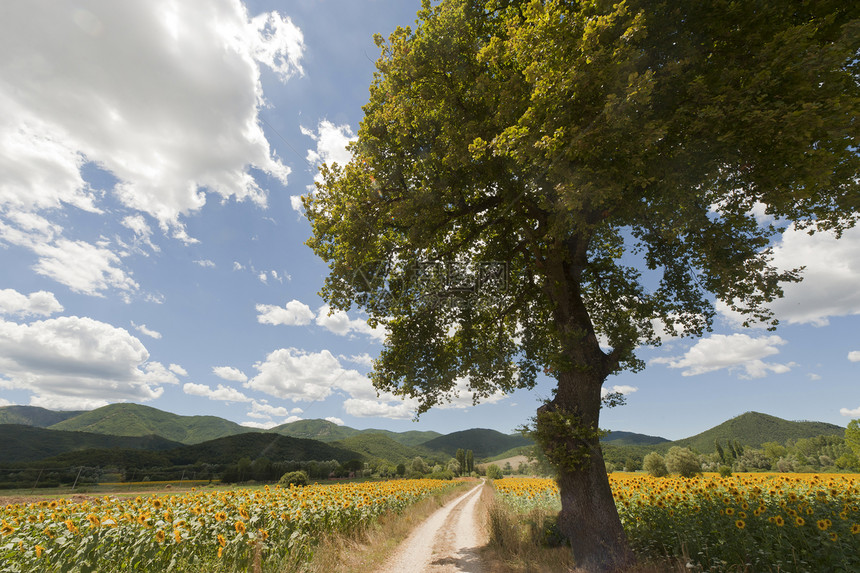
x=447, y=542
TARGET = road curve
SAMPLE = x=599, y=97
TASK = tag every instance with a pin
x=447, y=542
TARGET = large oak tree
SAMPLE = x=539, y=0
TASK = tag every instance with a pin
x=548, y=185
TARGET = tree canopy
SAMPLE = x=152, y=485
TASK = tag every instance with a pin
x=546, y=185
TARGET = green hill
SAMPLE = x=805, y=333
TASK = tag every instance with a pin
x=483, y=443
x=321, y=430
x=275, y=447
x=326, y=431
x=410, y=438
x=753, y=429
x=26, y=443
x=379, y=446
x=34, y=416
x=620, y=438
x=139, y=420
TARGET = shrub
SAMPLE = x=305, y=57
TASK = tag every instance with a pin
x=682, y=461
x=655, y=465
x=293, y=478
x=494, y=472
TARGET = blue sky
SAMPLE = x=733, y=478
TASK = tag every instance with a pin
x=152, y=248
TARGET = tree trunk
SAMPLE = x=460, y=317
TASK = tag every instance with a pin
x=588, y=518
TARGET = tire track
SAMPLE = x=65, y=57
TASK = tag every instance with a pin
x=447, y=542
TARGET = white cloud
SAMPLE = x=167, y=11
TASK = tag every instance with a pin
x=331, y=143
x=304, y=376
x=620, y=389
x=264, y=278
x=183, y=78
x=264, y=410
x=829, y=285
x=335, y=420
x=177, y=369
x=205, y=263
x=141, y=328
x=73, y=362
x=5, y=402
x=464, y=398
x=229, y=373
x=142, y=232
x=854, y=356
x=260, y=425
x=40, y=303
x=221, y=393
x=83, y=267
x=237, y=266
x=296, y=203
x=369, y=408
x=812, y=376
x=364, y=359
x=294, y=313
x=855, y=413
x=339, y=322
x=732, y=352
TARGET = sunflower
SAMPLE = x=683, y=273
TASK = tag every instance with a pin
x=779, y=521
x=240, y=527
x=740, y=524
x=160, y=536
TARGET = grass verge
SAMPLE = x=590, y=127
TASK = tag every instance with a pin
x=367, y=547
x=531, y=543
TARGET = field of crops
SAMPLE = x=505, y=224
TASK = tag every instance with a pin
x=195, y=531
x=748, y=522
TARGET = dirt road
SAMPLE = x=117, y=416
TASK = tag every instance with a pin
x=447, y=542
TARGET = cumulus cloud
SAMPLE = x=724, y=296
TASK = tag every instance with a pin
x=183, y=78
x=229, y=373
x=854, y=356
x=620, y=389
x=829, y=286
x=338, y=322
x=298, y=375
x=364, y=359
x=855, y=413
x=221, y=393
x=331, y=143
x=177, y=369
x=40, y=303
x=73, y=362
x=141, y=328
x=294, y=313
x=335, y=420
x=732, y=352
x=369, y=408
x=463, y=397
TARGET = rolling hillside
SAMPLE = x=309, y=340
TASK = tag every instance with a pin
x=483, y=443
x=620, y=438
x=25, y=443
x=321, y=430
x=34, y=416
x=379, y=446
x=753, y=429
x=326, y=431
x=138, y=420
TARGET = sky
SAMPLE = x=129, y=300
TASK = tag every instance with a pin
x=152, y=156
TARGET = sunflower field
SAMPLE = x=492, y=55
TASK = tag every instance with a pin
x=804, y=523
x=195, y=531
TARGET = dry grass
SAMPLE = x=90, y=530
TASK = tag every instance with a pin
x=518, y=544
x=365, y=549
